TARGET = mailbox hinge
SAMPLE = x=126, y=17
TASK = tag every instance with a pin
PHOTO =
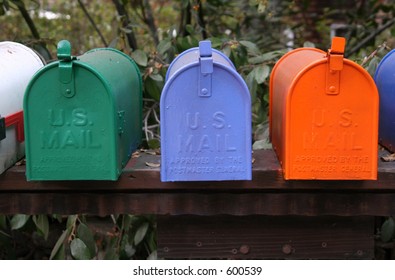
x=206, y=69
x=122, y=122
x=335, y=65
x=66, y=75
x=13, y=119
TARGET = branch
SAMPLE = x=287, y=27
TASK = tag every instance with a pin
x=185, y=19
x=92, y=22
x=201, y=21
x=149, y=19
x=27, y=18
x=125, y=22
x=363, y=42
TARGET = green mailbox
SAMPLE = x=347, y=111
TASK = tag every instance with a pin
x=83, y=116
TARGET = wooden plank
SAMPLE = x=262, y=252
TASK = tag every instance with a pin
x=263, y=237
x=140, y=191
x=137, y=176
x=206, y=204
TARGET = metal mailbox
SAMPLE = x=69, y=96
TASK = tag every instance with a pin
x=205, y=119
x=83, y=116
x=384, y=78
x=324, y=115
x=18, y=64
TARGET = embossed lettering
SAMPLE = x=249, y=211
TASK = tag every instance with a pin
x=205, y=142
x=80, y=117
x=345, y=118
x=219, y=120
x=77, y=117
x=228, y=146
x=193, y=124
x=68, y=139
x=310, y=140
x=319, y=118
x=56, y=118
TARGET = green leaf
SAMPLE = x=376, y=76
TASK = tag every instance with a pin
x=152, y=89
x=85, y=234
x=42, y=224
x=126, y=222
x=57, y=217
x=252, y=85
x=189, y=28
x=140, y=233
x=140, y=57
x=227, y=51
x=153, y=256
x=269, y=56
x=79, y=250
x=251, y=47
x=58, y=249
x=262, y=73
x=372, y=66
x=164, y=46
x=388, y=230
x=154, y=144
x=18, y=221
x=156, y=77
x=262, y=145
x=71, y=220
x=114, y=43
x=60, y=253
x=129, y=250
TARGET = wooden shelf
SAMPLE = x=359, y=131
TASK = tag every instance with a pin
x=140, y=191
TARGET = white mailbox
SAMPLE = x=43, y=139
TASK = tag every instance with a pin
x=18, y=64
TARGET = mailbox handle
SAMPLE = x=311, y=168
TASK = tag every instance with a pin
x=206, y=68
x=335, y=65
x=17, y=120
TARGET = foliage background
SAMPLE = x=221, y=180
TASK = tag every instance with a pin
x=254, y=34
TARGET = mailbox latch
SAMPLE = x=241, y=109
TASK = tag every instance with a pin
x=335, y=65
x=206, y=68
x=66, y=76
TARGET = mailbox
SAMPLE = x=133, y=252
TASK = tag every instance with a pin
x=83, y=116
x=18, y=64
x=205, y=119
x=324, y=115
x=384, y=78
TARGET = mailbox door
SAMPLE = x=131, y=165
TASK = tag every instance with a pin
x=205, y=136
x=332, y=136
x=70, y=137
x=18, y=64
x=384, y=78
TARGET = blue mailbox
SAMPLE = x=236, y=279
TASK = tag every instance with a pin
x=205, y=119
x=384, y=78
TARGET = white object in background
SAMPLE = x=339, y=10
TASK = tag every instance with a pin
x=18, y=64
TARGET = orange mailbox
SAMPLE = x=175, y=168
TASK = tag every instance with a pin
x=324, y=115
